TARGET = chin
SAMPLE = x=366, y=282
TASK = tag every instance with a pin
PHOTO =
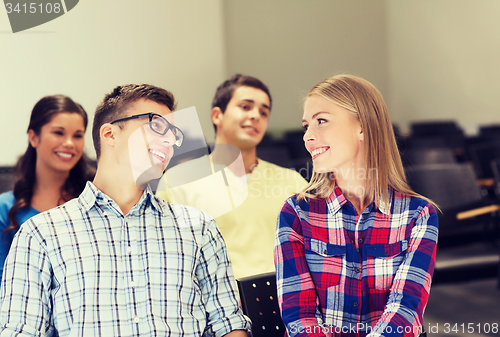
x=151, y=173
x=64, y=168
x=249, y=143
x=322, y=169
x=154, y=172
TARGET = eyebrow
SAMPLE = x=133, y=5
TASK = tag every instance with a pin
x=62, y=128
x=316, y=115
x=253, y=102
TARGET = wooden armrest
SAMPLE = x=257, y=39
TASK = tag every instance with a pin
x=477, y=211
x=486, y=182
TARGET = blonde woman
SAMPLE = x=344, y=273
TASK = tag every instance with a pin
x=355, y=250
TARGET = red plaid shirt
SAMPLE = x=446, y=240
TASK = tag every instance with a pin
x=344, y=274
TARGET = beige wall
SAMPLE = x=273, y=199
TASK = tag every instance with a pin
x=444, y=61
x=431, y=59
x=292, y=45
x=98, y=45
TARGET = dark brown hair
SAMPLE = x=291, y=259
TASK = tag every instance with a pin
x=225, y=91
x=43, y=112
x=120, y=99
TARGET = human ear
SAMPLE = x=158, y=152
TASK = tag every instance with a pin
x=359, y=130
x=217, y=115
x=33, y=138
x=107, y=134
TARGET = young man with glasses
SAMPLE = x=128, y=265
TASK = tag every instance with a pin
x=118, y=261
x=257, y=189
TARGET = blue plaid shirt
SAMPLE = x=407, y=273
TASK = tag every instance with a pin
x=85, y=269
x=342, y=273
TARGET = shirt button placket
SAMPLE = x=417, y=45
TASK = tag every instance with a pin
x=130, y=239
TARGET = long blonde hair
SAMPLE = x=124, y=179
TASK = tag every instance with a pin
x=366, y=104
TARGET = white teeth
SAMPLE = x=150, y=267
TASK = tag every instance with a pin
x=250, y=127
x=64, y=155
x=158, y=153
x=318, y=151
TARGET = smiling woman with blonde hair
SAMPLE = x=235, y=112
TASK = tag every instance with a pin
x=355, y=250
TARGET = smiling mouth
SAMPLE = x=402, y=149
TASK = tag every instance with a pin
x=250, y=128
x=158, y=154
x=65, y=155
x=316, y=152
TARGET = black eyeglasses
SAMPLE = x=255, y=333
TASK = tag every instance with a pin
x=159, y=125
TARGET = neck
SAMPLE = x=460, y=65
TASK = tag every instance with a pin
x=354, y=189
x=118, y=184
x=47, y=191
x=52, y=181
x=249, y=159
x=249, y=156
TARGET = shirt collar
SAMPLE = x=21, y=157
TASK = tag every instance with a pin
x=337, y=199
x=91, y=196
x=385, y=207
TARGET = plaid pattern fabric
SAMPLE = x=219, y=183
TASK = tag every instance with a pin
x=85, y=269
x=344, y=274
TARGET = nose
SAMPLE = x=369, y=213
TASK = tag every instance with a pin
x=254, y=113
x=169, y=137
x=309, y=135
x=68, y=142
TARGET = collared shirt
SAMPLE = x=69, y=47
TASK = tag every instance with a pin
x=7, y=200
x=245, y=209
x=349, y=274
x=85, y=269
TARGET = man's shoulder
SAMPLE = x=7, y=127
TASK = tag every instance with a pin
x=278, y=172
x=184, y=215
x=60, y=214
x=53, y=222
x=189, y=165
x=271, y=166
x=188, y=171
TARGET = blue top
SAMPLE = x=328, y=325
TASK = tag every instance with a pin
x=7, y=200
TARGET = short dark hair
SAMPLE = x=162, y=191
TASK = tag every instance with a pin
x=225, y=91
x=120, y=99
